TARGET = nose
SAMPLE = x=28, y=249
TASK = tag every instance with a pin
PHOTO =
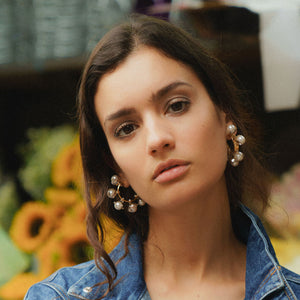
x=159, y=137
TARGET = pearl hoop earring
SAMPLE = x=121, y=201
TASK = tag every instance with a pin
x=238, y=140
x=119, y=204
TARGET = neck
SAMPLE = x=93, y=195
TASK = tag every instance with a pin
x=196, y=238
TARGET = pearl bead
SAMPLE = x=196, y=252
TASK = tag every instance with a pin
x=141, y=202
x=118, y=205
x=240, y=139
x=132, y=207
x=231, y=129
x=111, y=193
x=114, y=180
x=239, y=156
x=234, y=162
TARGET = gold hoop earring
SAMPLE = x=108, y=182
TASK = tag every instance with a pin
x=119, y=204
x=236, y=156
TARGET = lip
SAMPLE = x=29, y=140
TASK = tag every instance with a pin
x=170, y=170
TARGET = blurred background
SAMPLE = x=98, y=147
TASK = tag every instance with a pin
x=43, y=47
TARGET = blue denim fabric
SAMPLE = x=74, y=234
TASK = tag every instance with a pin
x=265, y=278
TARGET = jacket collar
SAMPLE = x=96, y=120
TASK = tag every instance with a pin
x=263, y=274
x=130, y=271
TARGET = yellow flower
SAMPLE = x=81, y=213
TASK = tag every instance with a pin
x=78, y=212
x=32, y=225
x=48, y=256
x=62, y=197
x=113, y=233
x=73, y=244
x=17, y=287
x=66, y=168
x=67, y=246
x=286, y=249
x=75, y=248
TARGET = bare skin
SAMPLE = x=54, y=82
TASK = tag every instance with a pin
x=194, y=254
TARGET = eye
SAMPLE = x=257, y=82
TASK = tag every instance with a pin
x=125, y=129
x=178, y=106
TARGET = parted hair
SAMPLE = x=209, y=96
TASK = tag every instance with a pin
x=247, y=182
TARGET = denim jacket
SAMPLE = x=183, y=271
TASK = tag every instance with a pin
x=265, y=278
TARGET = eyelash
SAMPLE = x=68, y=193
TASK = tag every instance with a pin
x=122, y=127
x=186, y=103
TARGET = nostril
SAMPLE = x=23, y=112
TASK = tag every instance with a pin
x=161, y=147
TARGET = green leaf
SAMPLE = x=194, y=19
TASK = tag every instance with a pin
x=12, y=260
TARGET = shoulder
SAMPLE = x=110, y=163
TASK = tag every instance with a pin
x=86, y=281
x=293, y=280
x=59, y=284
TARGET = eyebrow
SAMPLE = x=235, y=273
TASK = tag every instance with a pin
x=154, y=98
x=166, y=89
x=119, y=114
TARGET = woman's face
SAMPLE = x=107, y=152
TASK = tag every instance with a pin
x=163, y=130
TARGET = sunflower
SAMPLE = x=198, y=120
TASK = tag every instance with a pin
x=78, y=212
x=32, y=225
x=61, y=196
x=48, y=256
x=68, y=244
x=66, y=168
x=17, y=287
x=72, y=242
x=75, y=248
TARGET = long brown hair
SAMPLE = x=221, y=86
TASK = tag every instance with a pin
x=244, y=182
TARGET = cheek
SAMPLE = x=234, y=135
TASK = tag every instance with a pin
x=201, y=132
x=207, y=140
x=129, y=160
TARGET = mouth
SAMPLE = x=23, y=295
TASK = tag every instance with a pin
x=169, y=170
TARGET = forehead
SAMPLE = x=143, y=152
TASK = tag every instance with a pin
x=143, y=73
x=142, y=65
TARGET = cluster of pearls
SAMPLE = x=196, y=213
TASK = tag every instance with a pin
x=238, y=140
x=119, y=204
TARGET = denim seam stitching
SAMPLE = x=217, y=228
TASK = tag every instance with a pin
x=273, y=270
x=287, y=294
x=289, y=288
x=58, y=289
x=292, y=278
x=78, y=284
x=260, y=234
x=94, y=268
x=276, y=266
x=78, y=296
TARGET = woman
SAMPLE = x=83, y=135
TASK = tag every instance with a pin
x=162, y=134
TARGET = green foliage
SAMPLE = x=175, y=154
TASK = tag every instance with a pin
x=12, y=260
x=38, y=155
x=8, y=202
